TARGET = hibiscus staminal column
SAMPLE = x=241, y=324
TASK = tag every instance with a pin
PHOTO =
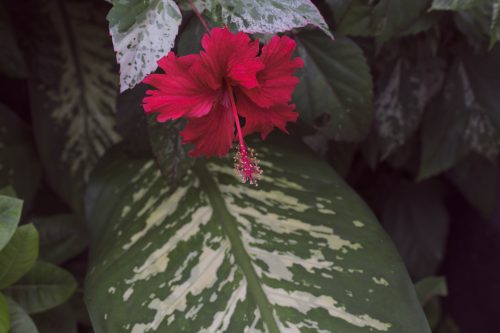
x=245, y=161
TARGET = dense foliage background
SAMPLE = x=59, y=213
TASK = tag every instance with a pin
x=404, y=105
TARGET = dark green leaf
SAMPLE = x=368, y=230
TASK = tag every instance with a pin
x=19, y=165
x=4, y=314
x=10, y=213
x=61, y=237
x=74, y=87
x=20, y=321
x=19, y=255
x=476, y=177
x=415, y=217
x=44, y=287
x=495, y=24
x=457, y=4
x=391, y=17
x=356, y=20
x=12, y=62
x=335, y=89
x=56, y=320
x=430, y=287
x=226, y=256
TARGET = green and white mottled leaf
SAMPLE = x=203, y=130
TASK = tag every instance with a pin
x=466, y=119
x=268, y=16
x=456, y=4
x=10, y=214
x=4, y=314
x=404, y=92
x=299, y=253
x=20, y=321
x=74, y=89
x=61, y=237
x=12, y=61
x=44, y=287
x=392, y=17
x=495, y=24
x=19, y=164
x=335, y=89
x=143, y=31
x=19, y=255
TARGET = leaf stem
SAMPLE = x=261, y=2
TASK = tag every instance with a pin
x=198, y=14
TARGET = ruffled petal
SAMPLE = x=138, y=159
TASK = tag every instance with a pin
x=276, y=80
x=230, y=56
x=263, y=120
x=212, y=134
x=181, y=90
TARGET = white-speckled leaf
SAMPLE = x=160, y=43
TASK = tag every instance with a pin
x=466, y=118
x=268, y=16
x=405, y=89
x=143, y=31
x=73, y=91
x=299, y=253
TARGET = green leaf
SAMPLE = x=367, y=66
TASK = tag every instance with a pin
x=267, y=16
x=430, y=287
x=61, y=237
x=466, y=118
x=475, y=24
x=353, y=18
x=4, y=314
x=20, y=321
x=415, y=217
x=65, y=323
x=44, y=287
x=12, y=61
x=19, y=164
x=391, y=17
x=476, y=178
x=19, y=255
x=143, y=31
x=301, y=252
x=456, y=4
x=10, y=214
x=335, y=86
x=73, y=93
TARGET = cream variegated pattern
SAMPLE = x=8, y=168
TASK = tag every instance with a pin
x=148, y=39
x=215, y=255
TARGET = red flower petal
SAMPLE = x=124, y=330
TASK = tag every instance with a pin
x=263, y=120
x=276, y=80
x=212, y=134
x=181, y=90
x=230, y=56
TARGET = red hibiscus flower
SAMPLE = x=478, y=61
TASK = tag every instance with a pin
x=229, y=79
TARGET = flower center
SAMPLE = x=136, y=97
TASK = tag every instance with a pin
x=245, y=160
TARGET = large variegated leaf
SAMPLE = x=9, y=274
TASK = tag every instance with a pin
x=268, y=16
x=456, y=4
x=73, y=89
x=299, y=253
x=143, y=31
x=335, y=89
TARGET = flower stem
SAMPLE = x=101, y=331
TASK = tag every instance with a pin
x=198, y=14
